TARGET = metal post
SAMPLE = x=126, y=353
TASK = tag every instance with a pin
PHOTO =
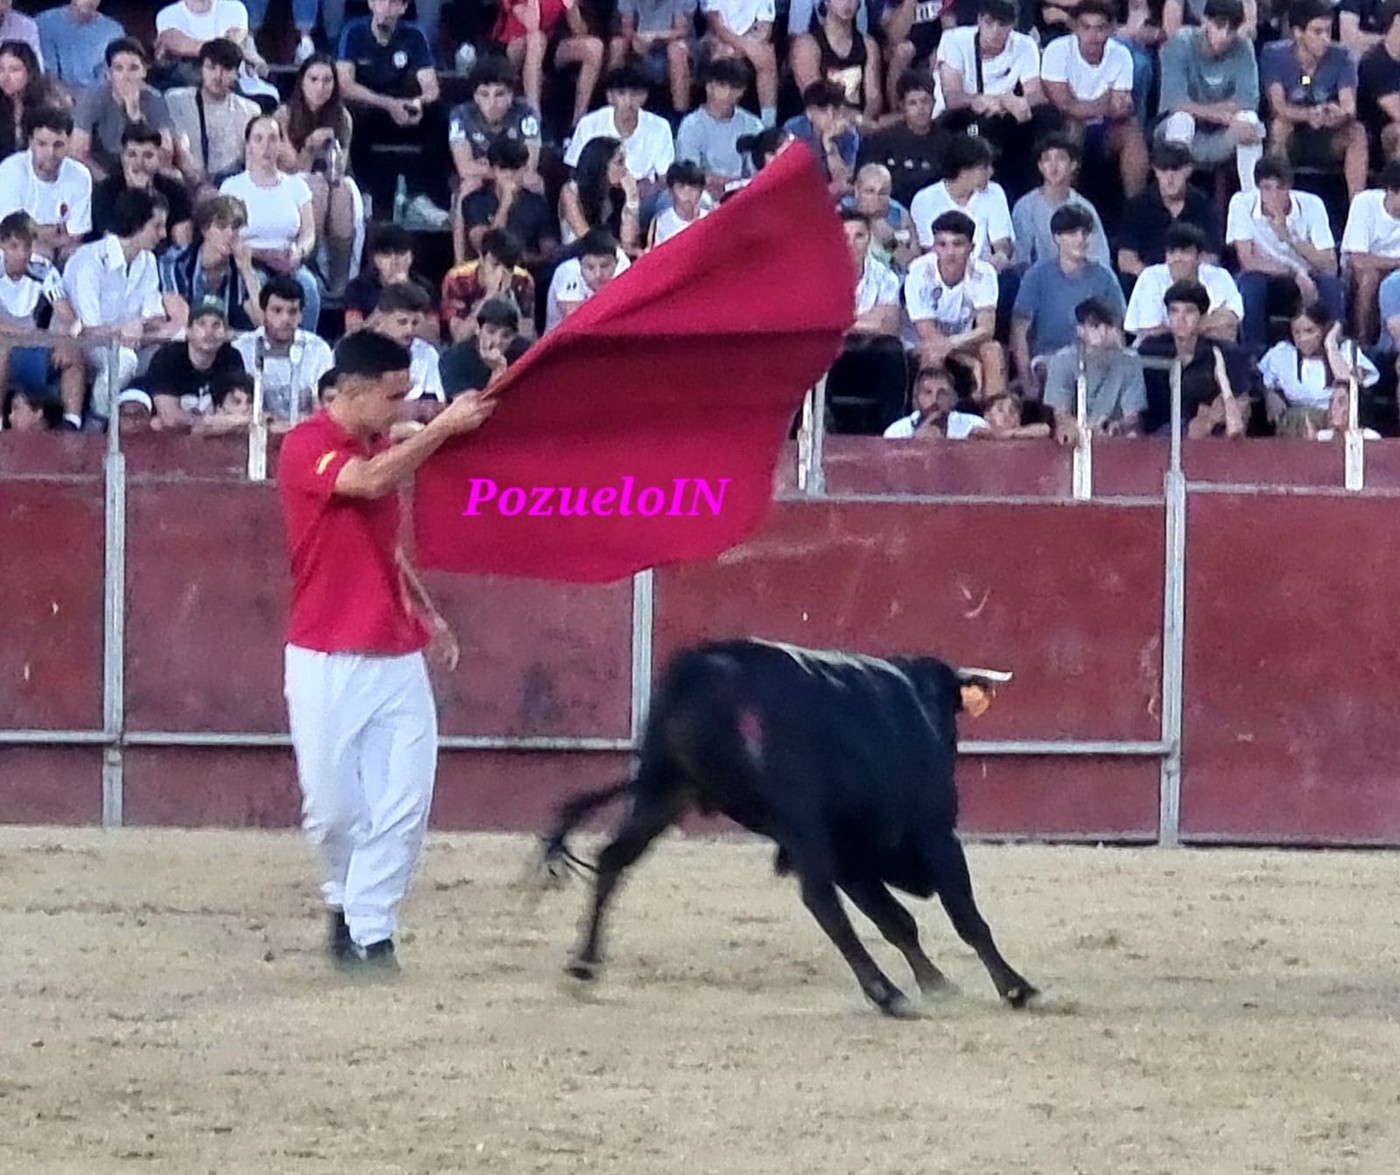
x=257, y=431
x=811, y=478
x=643, y=618
x=1354, y=440
x=1173, y=630
x=1083, y=477
x=113, y=606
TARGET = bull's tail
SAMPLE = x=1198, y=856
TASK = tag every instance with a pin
x=556, y=854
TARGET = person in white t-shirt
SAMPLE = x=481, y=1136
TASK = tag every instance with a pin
x=685, y=183
x=599, y=260
x=42, y=181
x=1287, y=253
x=744, y=28
x=290, y=360
x=968, y=188
x=183, y=29
x=866, y=385
x=990, y=75
x=646, y=138
x=1088, y=77
x=281, y=226
x=1185, y=246
x=400, y=314
x=951, y=300
x=1339, y=417
x=935, y=413
x=1299, y=375
x=1371, y=252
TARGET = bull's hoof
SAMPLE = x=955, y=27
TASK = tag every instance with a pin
x=1021, y=995
x=578, y=969
x=898, y=1007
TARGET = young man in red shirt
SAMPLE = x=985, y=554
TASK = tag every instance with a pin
x=363, y=717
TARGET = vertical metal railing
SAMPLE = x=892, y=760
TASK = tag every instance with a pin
x=1082, y=476
x=643, y=628
x=1173, y=628
x=113, y=603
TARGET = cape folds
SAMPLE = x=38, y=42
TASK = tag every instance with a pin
x=645, y=429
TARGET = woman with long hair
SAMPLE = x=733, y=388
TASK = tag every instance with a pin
x=280, y=230
x=602, y=194
x=316, y=128
x=1299, y=375
x=23, y=86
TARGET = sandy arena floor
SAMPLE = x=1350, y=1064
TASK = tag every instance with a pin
x=164, y=1007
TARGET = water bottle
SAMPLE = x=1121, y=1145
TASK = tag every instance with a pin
x=400, y=201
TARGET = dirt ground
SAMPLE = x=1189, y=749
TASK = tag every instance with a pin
x=165, y=1007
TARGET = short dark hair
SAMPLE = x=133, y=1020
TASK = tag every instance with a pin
x=1095, y=312
x=597, y=242
x=229, y=381
x=389, y=238
x=498, y=312
x=369, y=353
x=1182, y=234
x=407, y=297
x=221, y=52
x=19, y=226
x=918, y=81
x=685, y=171
x=1058, y=140
x=491, y=71
x=728, y=71
x=128, y=45
x=131, y=211
x=1069, y=218
x=626, y=77
x=958, y=223
x=510, y=154
x=141, y=132
x=1187, y=291
x=1302, y=13
x=1171, y=156
x=48, y=118
x=966, y=152
x=504, y=246
x=854, y=214
x=823, y=95
x=1001, y=11
x=284, y=287
x=326, y=382
x=1230, y=13
x=1095, y=8
x=1273, y=167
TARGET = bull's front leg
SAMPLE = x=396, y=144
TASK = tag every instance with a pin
x=820, y=897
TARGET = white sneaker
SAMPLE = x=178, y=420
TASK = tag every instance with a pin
x=305, y=48
x=428, y=214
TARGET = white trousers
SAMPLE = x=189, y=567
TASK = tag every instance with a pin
x=365, y=734
x=1181, y=128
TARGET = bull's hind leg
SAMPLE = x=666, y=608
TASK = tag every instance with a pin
x=955, y=892
x=900, y=930
x=646, y=819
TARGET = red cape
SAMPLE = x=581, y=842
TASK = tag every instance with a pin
x=660, y=407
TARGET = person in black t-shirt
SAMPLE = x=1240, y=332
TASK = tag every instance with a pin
x=1142, y=232
x=387, y=75
x=388, y=260
x=1378, y=87
x=473, y=363
x=182, y=375
x=504, y=201
x=913, y=149
x=140, y=169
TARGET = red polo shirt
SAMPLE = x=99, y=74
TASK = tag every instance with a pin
x=348, y=593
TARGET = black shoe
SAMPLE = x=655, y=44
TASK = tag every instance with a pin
x=380, y=956
x=342, y=949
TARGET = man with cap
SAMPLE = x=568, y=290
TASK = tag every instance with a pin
x=182, y=375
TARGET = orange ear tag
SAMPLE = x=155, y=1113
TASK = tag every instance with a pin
x=976, y=700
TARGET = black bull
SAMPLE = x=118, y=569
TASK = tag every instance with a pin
x=846, y=762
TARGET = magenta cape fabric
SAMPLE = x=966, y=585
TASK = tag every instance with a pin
x=645, y=429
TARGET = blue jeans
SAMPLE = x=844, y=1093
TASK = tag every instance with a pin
x=1144, y=75
x=303, y=13
x=1390, y=308
x=1256, y=290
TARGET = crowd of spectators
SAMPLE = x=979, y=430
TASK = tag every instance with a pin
x=1035, y=198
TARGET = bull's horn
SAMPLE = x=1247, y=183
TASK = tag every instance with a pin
x=995, y=676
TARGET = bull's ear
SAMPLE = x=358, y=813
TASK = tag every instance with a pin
x=979, y=687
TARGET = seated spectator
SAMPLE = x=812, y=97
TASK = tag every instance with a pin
x=991, y=79
x=659, y=36
x=1115, y=395
x=1043, y=317
x=105, y=111
x=1310, y=83
x=968, y=188
x=1149, y=217
x=31, y=292
x=498, y=275
x=935, y=409
x=892, y=237
x=744, y=29
x=281, y=227
x=710, y=135
x=951, y=299
x=1378, y=82
x=289, y=360
x=216, y=267
x=389, y=260
x=182, y=374
x=504, y=201
x=1186, y=251
x=1286, y=251
x=1210, y=92
x=870, y=373
x=1299, y=375
x=1003, y=416
x=911, y=149
x=136, y=413
x=1371, y=252
x=493, y=114
x=1215, y=376
x=316, y=131
x=1057, y=157
x=231, y=406
x=1141, y=33
x=139, y=170
x=185, y=27
x=402, y=308
x=388, y=78
x=1175, y=12
x=553, y=29
x=827, y=126
x=647, y=145
x=27, y=410
x=56, y=191
x=484, y=355
x=23, y=87
x=838, y=52
x=910, y=31
x=210, y=119
x=15, y=26
x=114, y=288
x=599, y=260
x=603, y=194
x=1088, y=77
x=685, y=184
x=73, y=40
x=1339, y=418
